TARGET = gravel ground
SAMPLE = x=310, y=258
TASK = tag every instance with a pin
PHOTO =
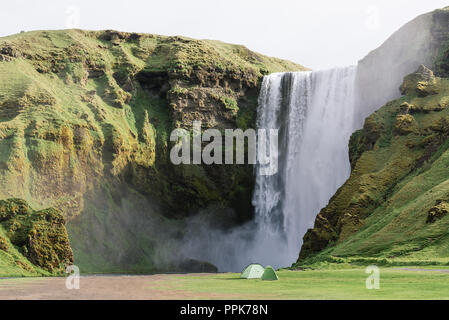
x=95, y=287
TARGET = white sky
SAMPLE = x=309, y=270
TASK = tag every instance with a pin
x=315, y=33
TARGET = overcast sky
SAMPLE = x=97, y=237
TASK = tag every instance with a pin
x=316, y=33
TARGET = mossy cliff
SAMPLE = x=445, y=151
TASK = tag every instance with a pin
x=32, y=242
x=85, y=119
x=393, y=208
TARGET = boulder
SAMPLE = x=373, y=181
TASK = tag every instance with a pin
x=422, y=83
x=405, y=124
x=40, y=236
x=439, y=210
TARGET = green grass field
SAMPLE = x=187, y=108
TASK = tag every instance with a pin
x=316, y=284
x=348, y=283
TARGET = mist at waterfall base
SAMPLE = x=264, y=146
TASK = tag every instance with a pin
x=314, y=113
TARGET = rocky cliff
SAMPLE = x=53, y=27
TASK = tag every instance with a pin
x=85, y=119
x=392, y=209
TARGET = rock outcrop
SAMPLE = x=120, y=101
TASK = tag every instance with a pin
x=39, y=236
x=438, y=211
x=422, y=82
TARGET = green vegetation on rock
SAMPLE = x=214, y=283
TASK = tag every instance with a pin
x=32, y=242
x=85, y=120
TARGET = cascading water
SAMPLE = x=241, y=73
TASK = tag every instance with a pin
x=314, y=115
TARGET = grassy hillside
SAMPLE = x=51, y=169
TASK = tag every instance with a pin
x=84, y=124
x=393, y=210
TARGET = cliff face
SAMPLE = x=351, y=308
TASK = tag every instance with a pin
x=392, y=209
x=85, y=119
x=379, y=75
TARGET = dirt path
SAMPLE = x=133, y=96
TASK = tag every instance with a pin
x=99, y=287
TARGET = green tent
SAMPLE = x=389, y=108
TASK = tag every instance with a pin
x=269, y=274
x=252, y=271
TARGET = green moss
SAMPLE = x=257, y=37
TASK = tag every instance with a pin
x=230, y=104
x=34, y=239
x=178, y=90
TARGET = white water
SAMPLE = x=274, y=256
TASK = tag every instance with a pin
x=314, y=113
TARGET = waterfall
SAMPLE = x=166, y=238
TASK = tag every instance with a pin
x=314, y=113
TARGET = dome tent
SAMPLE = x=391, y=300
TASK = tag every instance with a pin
x=252, y=271
x=269, y=274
